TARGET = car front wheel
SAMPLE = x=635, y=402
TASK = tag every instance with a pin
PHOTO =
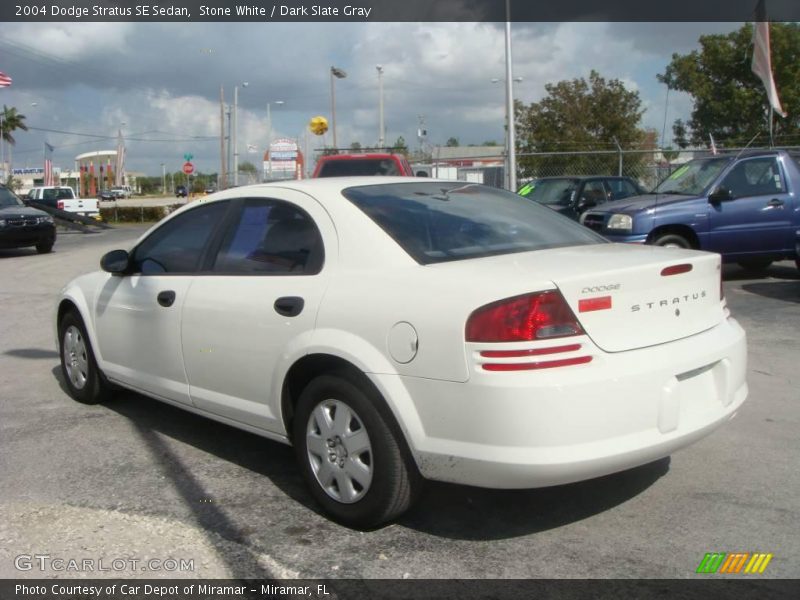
x=83, y=379
x=672, y=240
x=349, y=454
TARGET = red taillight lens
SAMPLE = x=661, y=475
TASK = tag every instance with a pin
x=539, y=316
x=60, y=205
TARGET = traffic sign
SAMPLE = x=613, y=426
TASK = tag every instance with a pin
x=188, y=168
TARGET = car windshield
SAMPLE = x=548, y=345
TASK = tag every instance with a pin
x=550, y=191
x=358, y=166
x=7, y=198
x=442, y=221
x=694, y=177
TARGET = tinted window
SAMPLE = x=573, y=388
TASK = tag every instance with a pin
x=755, y=177
x=550, y=191
x=593, y=194
x=621, y=188
x=177, y=246
x=271, y=236
x=437, y=222
x=359, y=166
x=8, y=198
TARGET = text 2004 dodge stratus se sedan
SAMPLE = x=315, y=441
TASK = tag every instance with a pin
x=405, y=329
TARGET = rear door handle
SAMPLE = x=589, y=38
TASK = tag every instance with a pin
x=289, y=306
x=775, y=203
x=166, y=298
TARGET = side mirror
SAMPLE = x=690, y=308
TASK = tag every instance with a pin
x=115, y=262
x=720, y=194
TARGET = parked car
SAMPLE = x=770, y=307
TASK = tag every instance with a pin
x=107, y=196
x=743, y=206
x=63, y=198
x=295, y=311
x=572, y=195
x=180, y=192
x=120, y=193
x=22, y=226
x=345, y=165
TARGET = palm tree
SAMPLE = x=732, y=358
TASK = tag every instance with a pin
x=11, y=120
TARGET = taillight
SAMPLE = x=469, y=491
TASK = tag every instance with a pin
x=538, y=316
x=60, y=205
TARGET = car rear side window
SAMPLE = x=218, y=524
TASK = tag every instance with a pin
x=444, y=221
x=178, y=245
x=271, y=237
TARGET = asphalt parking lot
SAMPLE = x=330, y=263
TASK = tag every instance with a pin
x=139, y=480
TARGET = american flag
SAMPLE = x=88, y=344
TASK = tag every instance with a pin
x=5, y=80
x=762, y=63
x=49, y=177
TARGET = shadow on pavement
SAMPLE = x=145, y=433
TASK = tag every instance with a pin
x=445, y=510
x=33, y=353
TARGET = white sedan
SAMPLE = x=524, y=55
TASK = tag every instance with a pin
x=403, y=329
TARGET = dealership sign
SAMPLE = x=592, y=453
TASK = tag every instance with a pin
x=282, y=159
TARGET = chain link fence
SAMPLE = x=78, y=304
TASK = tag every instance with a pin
x=648, y=167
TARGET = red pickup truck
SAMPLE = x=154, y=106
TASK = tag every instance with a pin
x=343, y=165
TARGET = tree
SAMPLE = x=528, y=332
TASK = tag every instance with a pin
x=578, y=114
x=400, y=146
x=355, y=147
x=730, y=102
x=452, y=142
x=11, y=121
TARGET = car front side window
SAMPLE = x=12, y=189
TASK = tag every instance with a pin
x=178, y=245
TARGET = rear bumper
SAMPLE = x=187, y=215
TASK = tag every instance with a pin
x=536, y=429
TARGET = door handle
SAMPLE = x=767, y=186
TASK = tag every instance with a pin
x=775, y=203
x=289, y=306
x=166, y=298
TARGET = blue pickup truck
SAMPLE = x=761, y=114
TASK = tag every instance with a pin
x=745, y=206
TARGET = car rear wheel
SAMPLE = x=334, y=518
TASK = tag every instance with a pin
x=755, y=264
x=672, y=240
x=349, y=454
x=83, y=379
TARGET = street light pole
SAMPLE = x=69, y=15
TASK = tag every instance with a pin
x=511, y=143
x=164, y=178
x=235, y=129
x=269, y=135
x=337, y=74
x=381, y=133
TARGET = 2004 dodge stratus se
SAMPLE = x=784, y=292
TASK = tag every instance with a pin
x=407, y=329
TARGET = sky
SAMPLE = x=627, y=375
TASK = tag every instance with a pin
x=78, y=84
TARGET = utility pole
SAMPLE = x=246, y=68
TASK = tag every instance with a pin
x=381, y=132
x=222, y=176
x=336, y=73
x=235, y=132
x=512, y=142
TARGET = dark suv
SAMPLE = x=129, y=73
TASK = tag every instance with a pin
x=22, y=226
x=571, y=196
x=180, y=191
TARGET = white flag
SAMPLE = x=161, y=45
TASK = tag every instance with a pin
x=762, y=62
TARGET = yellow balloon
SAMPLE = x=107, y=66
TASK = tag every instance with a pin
x=318, y=125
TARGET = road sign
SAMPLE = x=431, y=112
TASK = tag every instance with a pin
x=188, y=168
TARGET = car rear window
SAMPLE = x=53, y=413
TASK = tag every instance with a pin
x=442, y=221
x=358, y=166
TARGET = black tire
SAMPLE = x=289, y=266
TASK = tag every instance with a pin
x=395, y=482
x=44, y=247
x=82, y=377
x=672, y=240
x=755, y=264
